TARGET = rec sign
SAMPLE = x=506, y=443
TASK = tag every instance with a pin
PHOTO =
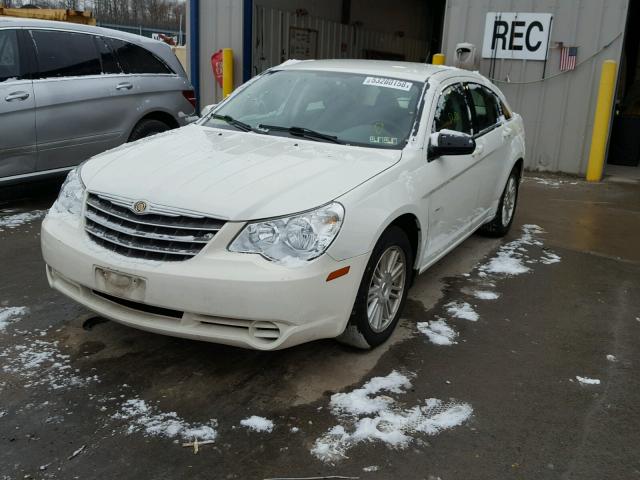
x=520, y=36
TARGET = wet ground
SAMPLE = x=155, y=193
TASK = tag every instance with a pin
x=511, y=407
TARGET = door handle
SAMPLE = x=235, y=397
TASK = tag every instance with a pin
x=124, y=86
x=16, y=96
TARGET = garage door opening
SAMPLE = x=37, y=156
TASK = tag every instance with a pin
x=406, y=30
x=623, y=159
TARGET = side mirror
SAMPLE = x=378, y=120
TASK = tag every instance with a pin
x=206, y=110
x=450, y=142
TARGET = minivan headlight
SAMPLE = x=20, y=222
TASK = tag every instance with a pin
x=69, y=201
x=300, y=237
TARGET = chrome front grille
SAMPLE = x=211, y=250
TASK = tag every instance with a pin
x=162, y=234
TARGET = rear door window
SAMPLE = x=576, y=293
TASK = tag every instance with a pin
x=452, y=112
x=10, y=68
x=65, y=54
x=137, y=60
x=107, y=57
x=485, y=106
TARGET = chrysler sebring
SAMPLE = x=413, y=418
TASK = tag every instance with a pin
x=299, y=208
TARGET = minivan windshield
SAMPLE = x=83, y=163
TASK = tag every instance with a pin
x=336, y=107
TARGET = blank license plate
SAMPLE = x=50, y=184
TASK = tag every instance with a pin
x=120, y=284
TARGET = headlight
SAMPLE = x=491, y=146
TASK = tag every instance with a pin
x=69, y=202
x=299, y=237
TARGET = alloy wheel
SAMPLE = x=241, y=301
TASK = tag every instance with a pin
x=509, y=201
x=386, y=289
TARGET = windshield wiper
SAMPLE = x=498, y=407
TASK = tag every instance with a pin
x=303, y=132
x=245, y=127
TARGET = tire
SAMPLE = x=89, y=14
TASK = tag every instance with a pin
x=366, y=331
x=501, y=223
x=146, y=128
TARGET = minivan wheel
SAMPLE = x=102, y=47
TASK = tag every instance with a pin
x=382, y=292
x=500, y=225
x=146, y=128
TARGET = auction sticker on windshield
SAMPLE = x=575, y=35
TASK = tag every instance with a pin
x=388, y=83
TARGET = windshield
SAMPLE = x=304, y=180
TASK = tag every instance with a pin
x=346, y=108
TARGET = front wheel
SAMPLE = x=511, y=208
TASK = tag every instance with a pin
x=382, y=292
x=501, y=223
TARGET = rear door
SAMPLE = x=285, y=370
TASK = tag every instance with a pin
x=80, y=98
x=492, y=139
x=17, y=107
x=156, y=86
x=453, y=205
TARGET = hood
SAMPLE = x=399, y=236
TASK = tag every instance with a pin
x=233, y=175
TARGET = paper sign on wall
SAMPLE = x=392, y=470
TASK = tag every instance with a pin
x=519, y=36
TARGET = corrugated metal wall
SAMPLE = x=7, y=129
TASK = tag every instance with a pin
x=558, y=112
x=220, y=27
x=335, y=40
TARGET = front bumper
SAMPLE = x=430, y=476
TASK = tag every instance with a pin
x=216, y=296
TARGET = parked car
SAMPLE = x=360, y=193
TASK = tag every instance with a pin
x=68, y=92
x=299, y=208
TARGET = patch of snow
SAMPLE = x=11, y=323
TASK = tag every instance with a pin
x=371, y=468
x=40, y=363
x=548, y=182
x=294, y=430
x=611, y=358
x=408, y=180
x=257, y=424
x=148, y=420
x=360, y=401
x=11, y=314
x=548, y=258
x=115, y=258
x=438, y=332
x=19, y=219
x=505, y=262
x=366, y=418
x=462, y=310
x=587, y=380
x=486, y=295
x=291, y=262
x=511, y=258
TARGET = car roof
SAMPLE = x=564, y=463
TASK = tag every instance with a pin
x=18, y=22
x=413, y=71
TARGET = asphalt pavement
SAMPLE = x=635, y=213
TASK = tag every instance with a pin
x=534, y=373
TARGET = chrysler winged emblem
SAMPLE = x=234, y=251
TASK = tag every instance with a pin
x=140, y=207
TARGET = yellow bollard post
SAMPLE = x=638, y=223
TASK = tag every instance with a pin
x=602, y=121
x=439, y=59
x=227, y=72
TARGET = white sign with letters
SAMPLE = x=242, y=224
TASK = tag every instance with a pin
x=519, y=36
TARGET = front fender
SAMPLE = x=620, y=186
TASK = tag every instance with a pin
x=373, y=206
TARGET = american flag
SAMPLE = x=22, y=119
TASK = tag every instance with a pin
x=568, y=57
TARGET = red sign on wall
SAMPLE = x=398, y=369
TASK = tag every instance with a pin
x=216, y=65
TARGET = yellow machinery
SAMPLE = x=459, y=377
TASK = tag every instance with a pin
x=61, y=15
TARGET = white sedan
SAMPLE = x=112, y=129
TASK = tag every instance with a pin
x=300, y=208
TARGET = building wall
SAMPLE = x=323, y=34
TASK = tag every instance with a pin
x=335, y=40
x=327, y=9
x=380, y=15
x=221, y=24
x=558, y=112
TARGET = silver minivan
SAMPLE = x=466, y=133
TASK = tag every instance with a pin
x=68, y=92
